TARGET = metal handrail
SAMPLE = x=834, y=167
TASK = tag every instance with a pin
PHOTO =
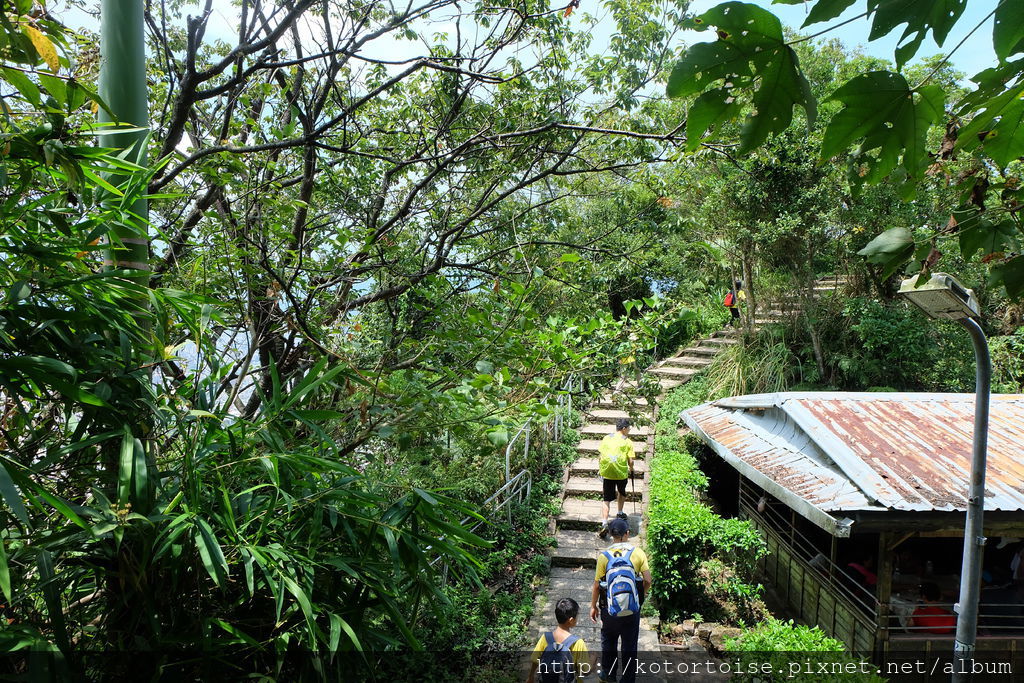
x=524, y=429
x=518, y=487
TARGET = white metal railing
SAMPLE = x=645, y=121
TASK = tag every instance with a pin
x=517, y=487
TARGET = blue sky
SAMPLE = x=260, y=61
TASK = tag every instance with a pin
x=973, y=56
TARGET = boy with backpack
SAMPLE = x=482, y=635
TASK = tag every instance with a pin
x=560, y=656
x=624, y=574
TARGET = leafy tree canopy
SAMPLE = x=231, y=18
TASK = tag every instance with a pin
x=880, y=121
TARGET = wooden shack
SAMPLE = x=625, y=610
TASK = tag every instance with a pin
x=834, y=480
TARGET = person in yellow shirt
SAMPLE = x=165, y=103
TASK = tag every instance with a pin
x=624, y=628
x=615, y=463
x=733, y=300
x=550, y=657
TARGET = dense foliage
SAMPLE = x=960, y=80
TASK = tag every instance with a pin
x=794, y=652
x=704, y=562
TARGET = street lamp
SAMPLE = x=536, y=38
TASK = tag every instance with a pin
x=943, y=297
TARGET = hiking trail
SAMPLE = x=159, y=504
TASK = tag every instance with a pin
x=575, y=528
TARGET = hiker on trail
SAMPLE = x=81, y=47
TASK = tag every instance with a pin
x=615, y=463
x=560, y=656
x=732, y=301
x=621, y=583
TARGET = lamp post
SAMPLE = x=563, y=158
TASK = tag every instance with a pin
x=943, y=297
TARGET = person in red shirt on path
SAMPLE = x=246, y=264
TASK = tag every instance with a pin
x=929, y=617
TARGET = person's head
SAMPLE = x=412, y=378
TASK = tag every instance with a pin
x=738, y=284
x=619, y=529
x=930, y=592
x=565, y=612
x=623, y=424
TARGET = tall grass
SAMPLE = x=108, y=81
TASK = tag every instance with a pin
x=759, y=368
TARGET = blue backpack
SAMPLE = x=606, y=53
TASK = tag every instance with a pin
x=623, y=597
x=556, y=665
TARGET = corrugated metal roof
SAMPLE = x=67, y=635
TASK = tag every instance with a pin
x=843, y=452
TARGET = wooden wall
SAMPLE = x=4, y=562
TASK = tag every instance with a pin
x=808, y=594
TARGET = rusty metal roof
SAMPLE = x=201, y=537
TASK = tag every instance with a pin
x=844, y=452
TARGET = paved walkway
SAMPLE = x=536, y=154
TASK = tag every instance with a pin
x=576, y=526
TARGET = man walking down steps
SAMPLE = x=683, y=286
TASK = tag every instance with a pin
x=622, y=581
x=615, y=462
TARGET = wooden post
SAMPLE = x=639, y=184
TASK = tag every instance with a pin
x=884, y=588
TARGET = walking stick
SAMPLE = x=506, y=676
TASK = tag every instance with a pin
x=632, y=483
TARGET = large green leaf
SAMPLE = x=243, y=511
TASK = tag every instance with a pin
x=987, y=236
x=1008, y=30
x=750, y=51
x=890, y=250
x=706, y=111
x=920, y=16
x=1010, y=275
x=999, y=126
x=823, y=10
x=704, y=63
x=783, y=86
x=889, y=119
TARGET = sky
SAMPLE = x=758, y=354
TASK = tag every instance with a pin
x=974, y=55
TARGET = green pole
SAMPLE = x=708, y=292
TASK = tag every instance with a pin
x=123, y=88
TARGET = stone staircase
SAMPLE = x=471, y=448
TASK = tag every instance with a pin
x=786, y=308
x=576, y=526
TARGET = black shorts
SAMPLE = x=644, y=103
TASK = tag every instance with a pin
x=609, y=488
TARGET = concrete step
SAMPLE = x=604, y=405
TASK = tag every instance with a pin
x=668, y=385
x=636, y=431
x=570, y=575
x=577, y=548
x=591, y=446
x=609, y=415
x=688, y=361
x=589, y=467
x=634, y=403
x=673, y=372
x=586, y=515
x=592, y=487
x=719, y=342
x=709, y=351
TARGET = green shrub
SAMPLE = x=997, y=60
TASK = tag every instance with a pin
x=684, y=534
x=867, y=343
x=775, y=635
x=1008, y=362
x=779, y=644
